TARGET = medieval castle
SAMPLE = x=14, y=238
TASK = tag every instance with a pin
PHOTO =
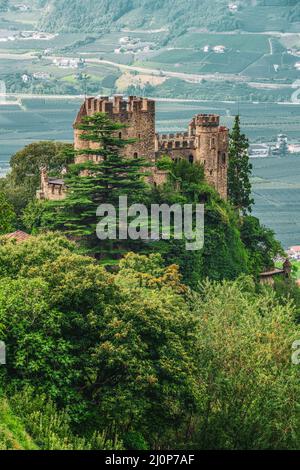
x=205, y=142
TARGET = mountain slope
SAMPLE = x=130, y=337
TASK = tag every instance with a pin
x=96, y=15
x=177, y=15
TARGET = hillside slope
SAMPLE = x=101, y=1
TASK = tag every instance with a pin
x=12, y=433
x=177, y=15
x=99, y=15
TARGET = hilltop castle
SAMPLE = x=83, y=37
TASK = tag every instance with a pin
x=205, y=142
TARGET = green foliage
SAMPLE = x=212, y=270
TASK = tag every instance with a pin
x=115, y=350
x=33, y=213
x=287, y=290
x=224, y=255
x=239, y=170
x=244, y=363
x=135, y=441
x=52, y=428
x=13, y=435
x=164, y=163
x=137, y=356
x=261, y=244
x=21, y=183
x=7, y=215
x=100, y=15
x=92, y=183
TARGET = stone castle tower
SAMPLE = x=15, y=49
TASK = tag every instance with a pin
x=137, y=114
x=205, y=142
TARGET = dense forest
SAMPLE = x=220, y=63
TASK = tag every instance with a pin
x=177, y=15
x=136, y=360
x=95, y=15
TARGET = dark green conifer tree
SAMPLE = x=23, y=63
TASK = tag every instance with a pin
x=102, y=179
x=239, y=170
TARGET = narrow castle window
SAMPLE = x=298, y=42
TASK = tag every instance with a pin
x=191, y=159
x=135, y=155
x=120, y=135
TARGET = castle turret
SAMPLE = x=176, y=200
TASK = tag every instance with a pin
x=211, y=143
x=206, y=142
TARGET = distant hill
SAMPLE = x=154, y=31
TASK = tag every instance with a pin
x=99, y=15
x=177, y=15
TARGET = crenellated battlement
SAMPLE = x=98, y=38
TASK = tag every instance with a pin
x=172, y=136
x=116, y=106
x=206, y=120
x=179, y=140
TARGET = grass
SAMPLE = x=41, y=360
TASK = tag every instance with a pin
x=296, y=265
x=12, y=433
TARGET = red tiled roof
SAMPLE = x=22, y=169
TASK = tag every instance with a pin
x=19, y=236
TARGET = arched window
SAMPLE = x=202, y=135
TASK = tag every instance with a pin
x=191, y=159
x=120, y=135
x=135, y=155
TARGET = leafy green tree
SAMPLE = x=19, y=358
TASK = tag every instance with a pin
x=115, y=349
x=239, y=170
x=32, y=216
x=21, y=183
x=244, y=363
x=26, y=163
x=261, y=244
x=7, y=215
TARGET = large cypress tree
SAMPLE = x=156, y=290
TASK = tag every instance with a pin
x=97, y=181
x=239, y=170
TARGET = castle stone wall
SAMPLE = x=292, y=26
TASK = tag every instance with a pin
x=137, y=114
x=205, y=141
